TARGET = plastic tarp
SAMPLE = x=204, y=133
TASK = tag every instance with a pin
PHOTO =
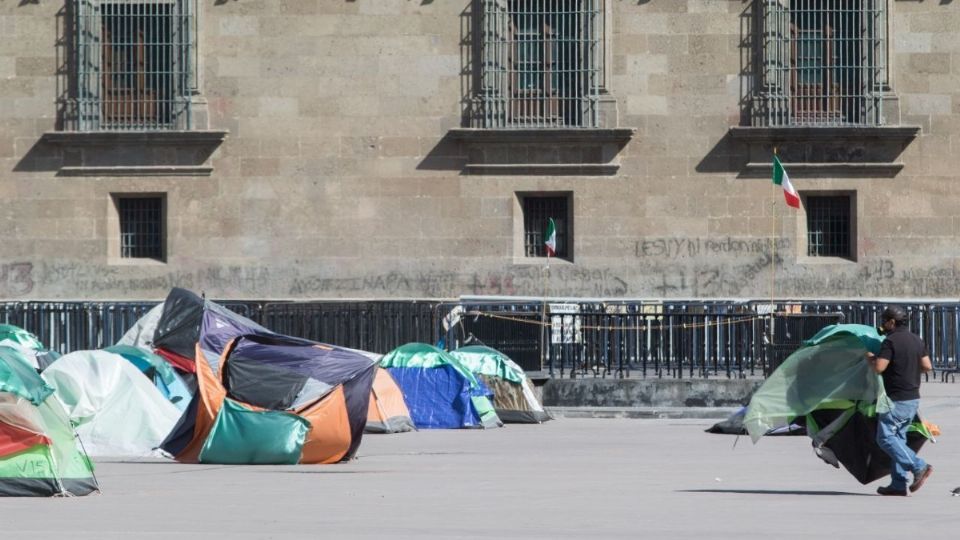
x=830, y=366
x=482, y=360
x=116, y=410
x=244, y=436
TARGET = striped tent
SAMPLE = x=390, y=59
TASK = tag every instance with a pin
x=39, y=451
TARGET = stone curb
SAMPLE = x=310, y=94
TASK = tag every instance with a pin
x=642, y=412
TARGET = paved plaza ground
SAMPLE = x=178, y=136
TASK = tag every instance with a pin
x=570, y=478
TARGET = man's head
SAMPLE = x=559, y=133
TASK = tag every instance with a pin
x=892, y=317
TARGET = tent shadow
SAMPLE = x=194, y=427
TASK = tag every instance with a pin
x=774, y=492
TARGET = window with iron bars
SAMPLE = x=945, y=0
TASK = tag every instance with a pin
x=822, y=63
x=828, y=226
x=540, y=63
x=135, y=64
x=537, y=211
x=141, y=227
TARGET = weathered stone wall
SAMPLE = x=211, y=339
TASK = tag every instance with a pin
x=338, y=179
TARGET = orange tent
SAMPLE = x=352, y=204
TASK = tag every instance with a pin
x=388, y=412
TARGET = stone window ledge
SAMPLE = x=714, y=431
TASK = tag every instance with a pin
x=148, y=153
x=570, y=151
x=816, y=151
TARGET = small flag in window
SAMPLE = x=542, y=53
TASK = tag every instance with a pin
x=550, y=238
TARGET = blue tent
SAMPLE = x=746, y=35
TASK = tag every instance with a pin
x=439, y=391
x=164, y=377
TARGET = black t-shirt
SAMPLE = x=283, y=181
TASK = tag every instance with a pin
x=904, y=350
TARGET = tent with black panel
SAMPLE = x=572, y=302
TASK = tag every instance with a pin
x=275, y=400
x=513, y=396
x=827, y=386
x=40, y=455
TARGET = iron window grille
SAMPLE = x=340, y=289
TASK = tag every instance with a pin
x=536, y=213
x=141, y=227
x=135, y=64
x=823, y=63
x=540, y=63
x=828, y=226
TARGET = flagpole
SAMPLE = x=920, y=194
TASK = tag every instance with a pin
x=773, y=240
x=543, y=315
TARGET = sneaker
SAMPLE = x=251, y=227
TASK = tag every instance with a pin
x=887, y=490
x=920, y=477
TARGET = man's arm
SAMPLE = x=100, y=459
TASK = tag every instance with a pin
x=926, y=366
x=877, y=363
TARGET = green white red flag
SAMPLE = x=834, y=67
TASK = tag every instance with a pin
x=781, y=178
x=550, y=238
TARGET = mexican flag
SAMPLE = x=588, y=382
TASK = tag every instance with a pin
x=550, y=238
x=781, y=178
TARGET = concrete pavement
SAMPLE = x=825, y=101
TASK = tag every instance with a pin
x=570, y=478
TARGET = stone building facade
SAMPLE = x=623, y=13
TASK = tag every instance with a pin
x=313, y=149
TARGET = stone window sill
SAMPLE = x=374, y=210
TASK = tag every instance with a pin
x=816, y=151
x=571, y=151
x=150, y=153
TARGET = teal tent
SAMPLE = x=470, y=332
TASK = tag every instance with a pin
x=828, y=386
x=513, y=396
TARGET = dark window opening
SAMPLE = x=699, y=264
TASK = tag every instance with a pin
x=537, y=212
x=141, y=227
x=828, y=226
x=138, y=64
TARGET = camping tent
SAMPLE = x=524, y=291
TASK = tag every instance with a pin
x=439, y=391
x=187, y=319
x=39, y=453
x=27, y=344
x=513, y=396
x=170, y=384
x=827, y=385
x=387, y=412
x=117, y=411
x=275, y=399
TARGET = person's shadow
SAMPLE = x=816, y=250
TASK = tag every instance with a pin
x=774, y=492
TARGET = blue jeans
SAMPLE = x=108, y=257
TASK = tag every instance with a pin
x=892, y=439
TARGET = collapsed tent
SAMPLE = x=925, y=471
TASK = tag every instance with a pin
x=733, y=425
x=827, y=385
x=275, y=400
x=439, y=391
x=39, y=452
x=513, y=396
x=116, y=410
x=387, y=412
x=187, y=319
x=170, y=384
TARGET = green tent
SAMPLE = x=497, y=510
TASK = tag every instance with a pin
x=513, y=396
x=39, y=451
x=20, y=336
x=827, y=385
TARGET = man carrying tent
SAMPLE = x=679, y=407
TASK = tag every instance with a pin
x=902, y=358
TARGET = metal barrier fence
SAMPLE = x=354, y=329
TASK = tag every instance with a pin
x=576, y=339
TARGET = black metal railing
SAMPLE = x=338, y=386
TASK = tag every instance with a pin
x=698, y=339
